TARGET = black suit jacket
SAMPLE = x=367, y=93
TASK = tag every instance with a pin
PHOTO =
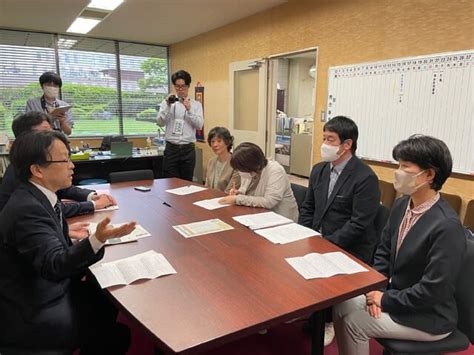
x=423, y=275
x=38, y=268
x=346, y=218
x=70, y=209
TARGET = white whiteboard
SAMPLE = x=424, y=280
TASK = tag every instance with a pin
x=391, y=100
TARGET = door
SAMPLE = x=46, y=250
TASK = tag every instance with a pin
x=248, y=89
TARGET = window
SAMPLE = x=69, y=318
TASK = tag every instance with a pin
x=24, y=57
x=92, y=71
x=144, y=83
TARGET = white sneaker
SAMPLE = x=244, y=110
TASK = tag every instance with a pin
x=328, y=333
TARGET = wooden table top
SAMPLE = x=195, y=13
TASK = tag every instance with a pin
x=228, y=284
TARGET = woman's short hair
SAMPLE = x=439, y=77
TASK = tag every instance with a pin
x=50, y=77
x=426, y=152
x=222, y=133
x=32, y=148
x=248, y=158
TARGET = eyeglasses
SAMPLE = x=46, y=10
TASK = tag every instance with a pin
x=67, y=160
x=180, y=87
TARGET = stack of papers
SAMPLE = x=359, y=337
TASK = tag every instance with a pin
x=148, y=265
x=138, y=233
x=200, y=228
x=316, y=265
x=186, y=190
x=262, y=220
x=210, y=204
x=287, y=233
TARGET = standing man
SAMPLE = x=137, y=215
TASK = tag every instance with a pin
x=343, y=194
x=45, y=302
x=51, y=83
x=181, y=115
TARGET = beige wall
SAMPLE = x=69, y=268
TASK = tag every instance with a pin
x=345, y=31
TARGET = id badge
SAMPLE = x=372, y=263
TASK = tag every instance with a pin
x=178, y=127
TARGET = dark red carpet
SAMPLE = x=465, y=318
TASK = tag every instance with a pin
x=287, y=339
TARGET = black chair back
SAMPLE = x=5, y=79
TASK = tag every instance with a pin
x=469, y=217
x=379, y=223
x=465, y=293
x=132, y=175
x=299, y=191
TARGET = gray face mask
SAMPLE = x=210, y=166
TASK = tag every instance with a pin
x=405, y=183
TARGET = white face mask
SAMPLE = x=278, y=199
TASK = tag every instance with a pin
x=329, y=152
x=248, y=176
x=405, y=183
x=51, y=91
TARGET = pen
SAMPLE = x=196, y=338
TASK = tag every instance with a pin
x=166, y=204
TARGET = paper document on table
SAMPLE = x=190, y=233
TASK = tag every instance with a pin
x=148, y=265
x=262, y=220
x=138, y=233
x=186, y=190
x=108, y=208
x=287, y=233
x=210, y=204
x=203, y=227
x=316, y=265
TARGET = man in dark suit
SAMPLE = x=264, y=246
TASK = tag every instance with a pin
x=421, y=251
x=84, y=201
x=343, y=194
x=44, y=301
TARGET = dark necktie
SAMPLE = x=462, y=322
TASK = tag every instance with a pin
x=59, y=213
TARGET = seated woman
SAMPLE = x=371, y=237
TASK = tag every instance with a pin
x=220, y=175
x=420, y=253
x=264, y=183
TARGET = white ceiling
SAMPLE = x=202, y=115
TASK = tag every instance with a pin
x=148, y=21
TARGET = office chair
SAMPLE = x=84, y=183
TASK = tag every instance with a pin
x=469, y=217
x=454, y=201
x=132, y=175
x=459, y=339
x=299, y=192
x=387, y=193
x=379, y=222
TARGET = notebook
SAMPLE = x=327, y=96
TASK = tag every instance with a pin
x=121, y=149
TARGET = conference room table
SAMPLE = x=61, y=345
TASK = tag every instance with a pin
x=228, y=284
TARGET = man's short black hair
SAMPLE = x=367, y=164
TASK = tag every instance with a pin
x=426, y=152
x=50, y=77
x=345, y=129
x=26, y=122
x=181, y=74
x=248, y=158
x=222, y=133
x=33, y=148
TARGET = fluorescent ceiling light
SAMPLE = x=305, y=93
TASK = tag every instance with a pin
x=66, y=43
x=108, y=5
x=82, y=25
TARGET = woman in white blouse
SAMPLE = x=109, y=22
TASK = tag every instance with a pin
x=264, y=183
